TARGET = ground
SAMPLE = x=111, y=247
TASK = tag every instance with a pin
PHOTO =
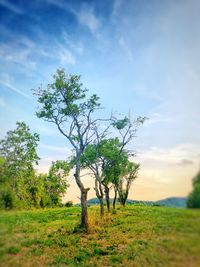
x=136, y=235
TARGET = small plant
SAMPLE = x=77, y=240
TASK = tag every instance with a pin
x=69, y=204
x=13, y=250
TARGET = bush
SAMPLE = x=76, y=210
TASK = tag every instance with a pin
x=69, y=204
x=6, y=198
x=194, y=197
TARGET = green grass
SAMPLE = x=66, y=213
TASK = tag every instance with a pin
x=135, y=236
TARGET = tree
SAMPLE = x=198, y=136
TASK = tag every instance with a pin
x=129, y=174
x=111, y=150
x=65, y=103
x=55, y=183
x=91, y=160
x=18, y=156
x=196, y=179
x=194, y=197
x=126, y=130
x=95, y=157
x=114, y=173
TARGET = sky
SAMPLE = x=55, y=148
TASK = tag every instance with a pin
x=138, y=56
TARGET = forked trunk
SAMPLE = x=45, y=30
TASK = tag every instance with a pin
x=84, y=191
x=99, y=194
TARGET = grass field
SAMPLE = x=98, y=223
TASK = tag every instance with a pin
x=135, y=236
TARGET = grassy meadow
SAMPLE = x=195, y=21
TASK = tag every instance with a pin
x=136, y=235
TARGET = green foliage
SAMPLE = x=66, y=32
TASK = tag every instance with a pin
x=196, y=179
x=121, y=124
x=69, y=204
x=194, y=197
x=20, y=186
x=17, y=154
x=18, y=149
x=66, y=101
x=56, y=182
x=6, y=197
x=127, y=176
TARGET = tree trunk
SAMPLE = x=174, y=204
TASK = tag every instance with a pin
x=115, y=198
x=84, y=211
x=107, y=197
x=84, y=191
x=101, y=206
x=123, y=202
x=99, y=194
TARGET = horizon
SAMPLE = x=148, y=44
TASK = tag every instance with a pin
x=138, y=57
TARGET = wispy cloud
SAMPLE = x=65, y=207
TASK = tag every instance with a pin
x=5, y=81
x=75, y=46
x=17, y=55
x=116, y=7
x=87, y=17
x=65, y=56
x=3, y=103
x=13, y=8
x=62, y=150
x=177, y=155
x=126, y=48
x=157, y=118
x=85, y=14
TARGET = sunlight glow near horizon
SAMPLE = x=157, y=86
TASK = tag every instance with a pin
x=141, y=56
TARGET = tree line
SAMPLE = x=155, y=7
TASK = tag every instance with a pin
x=20, y=185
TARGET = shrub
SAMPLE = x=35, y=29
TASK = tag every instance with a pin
x=6, y=198
x=194, y=197
x=69, y=204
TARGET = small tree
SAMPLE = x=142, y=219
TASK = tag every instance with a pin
x=65, y=103
x=196, y=179
x=18, y=156
x=55, y=183
x=194, y=197
x=115, y=171
x=126, y=130
x=96, y=157
x=129, y=174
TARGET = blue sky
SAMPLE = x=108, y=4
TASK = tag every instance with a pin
x=136, y=55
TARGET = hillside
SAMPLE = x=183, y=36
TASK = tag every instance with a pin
x=176, y=202
x=137, y=235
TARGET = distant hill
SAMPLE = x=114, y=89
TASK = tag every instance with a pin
x=178, y=202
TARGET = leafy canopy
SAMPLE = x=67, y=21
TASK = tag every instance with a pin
x=65, y=103
x=18, y=149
